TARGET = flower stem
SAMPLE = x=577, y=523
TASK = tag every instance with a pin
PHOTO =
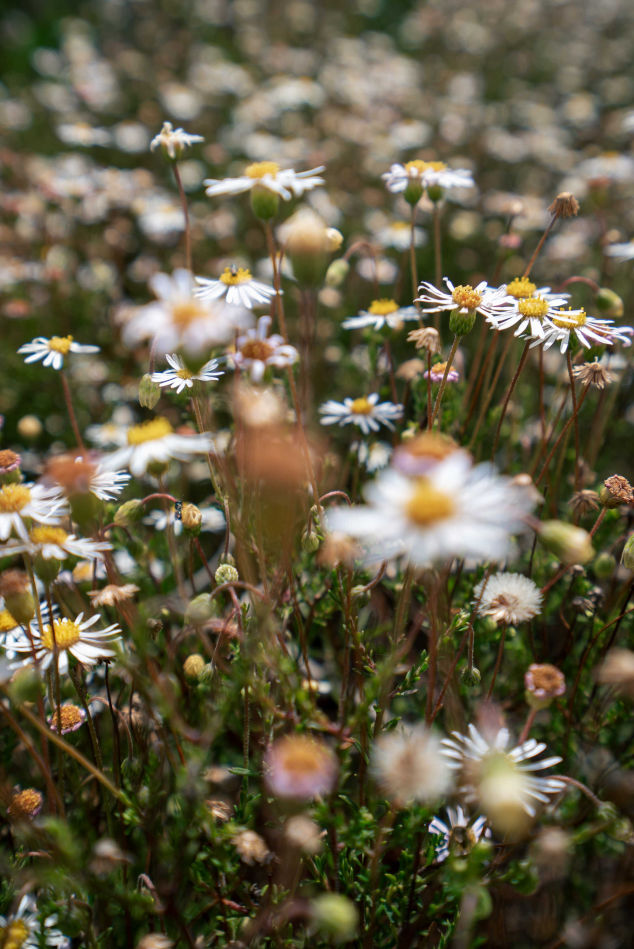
x=542, y=241
x=183, y=199
x=71, y=412
x=562, y=433
x=507, y=398
x=498, y=661
x=443, y=383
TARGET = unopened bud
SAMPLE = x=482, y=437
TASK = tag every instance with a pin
x=128, y=513
x=199, y=610
x=149, y=392
x=226, y=573
x=310, y=542
x=193, y=666
x=569, y=543
x=604, y=565
x=18, y=599
x=46, y=568
x=435, y=193
x=264, y=202
x=25, y=686
x=413, y=192
x=337, y=272
x=471, y=676
x=191, y=517
x=609, y=303
x=627, y=557
x=336, y=916
x=309, y=243
x=462, y=323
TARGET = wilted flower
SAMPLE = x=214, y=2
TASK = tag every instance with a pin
x=298, y=766
x=616, y=490
x=425, y=337
x=409, y=766
x=593, y=374
x=543, y=684
x=71, y=717
x=112, y=595
x=508, y=598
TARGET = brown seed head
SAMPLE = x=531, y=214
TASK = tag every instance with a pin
x=616, y=490
x=25, y=805
x=544, y=681
x=426, y=337
x=593, y=374
x=564, y=205
x=13, y=583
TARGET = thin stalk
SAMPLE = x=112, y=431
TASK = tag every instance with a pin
x=573, y=393
x=71, y=412
x=412, y=260
x=562, y=433
x=491, y=387
x=542, y=241
x=183, y=200
x=437, y=245
x=507, y=398
x=498, y=661
x=441, y=390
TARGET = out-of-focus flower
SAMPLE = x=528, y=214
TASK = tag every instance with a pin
x=425, y=174
x=623, y=251
x=24, y=806
x=112, y=594
x=382, y=313
x=64, y=636
x=237, y=286
x=300, y=767
x=285, y=183
x=617, y=670
x=52, y=351
x=453, y=510
x=85, y=474
x=26, y=930
x=151, y=445
x=459, y=833
x=508, y=598
x=179, y=377
x=173, y=141
x=409, y=766
x=544, y=683
x=251, y=847
x=30, y=502
x=256, y=350
x=304, y=834
x=54, y=543
x=415, y=456
x=366, y=412
x=398, y=234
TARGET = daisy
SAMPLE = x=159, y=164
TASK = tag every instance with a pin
x=588, y=330
x=178, y=318
x=544, y=682
x=54, y=543
x=534, y=308
x=502, y=781
x=256, y=351
x=491, y=302
x=409, y=765
x=151, y=445
x=300, y=767
x=425, y=174
x=70, y=717
x=452, y=510
x=237, y=286
x=459, y=834
x=85, y=474
x=25, y=930
x=437, y=373
x=33, y=502
x=65, y=636
x=623, y=251
x=382, y=313
x=53, y=350
x=267, y=175
x=179, y=377
x=509, y=598
x=174, y=141
x=366, y=412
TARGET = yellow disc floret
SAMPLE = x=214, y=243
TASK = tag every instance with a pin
x=382, y=307
x=64, y=634
x=7, y=622
x=234, y=275
x=70, y=717
x=184, y=374
x=361, y=407
x=257, y=349
x=14, y=935
x=570, y=319
x=466, y=297
x=261, y=168
x=428, y=505
x=419, y=167
x=13, y=498
x=48, y=535
x=149, y=431
x=60, y=344
x=533, y=307
x=186, y=312
x=520, y=288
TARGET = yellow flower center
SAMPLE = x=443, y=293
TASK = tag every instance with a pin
x=6, y=621
x=438, y=369
x=149, y=431
x=533, y=307
x=48, y=535
x=69, y=715
x=66, y=633
x=361, y=407
x=465, y=296
x=418, y=167
x=14, y=935
x=401, y=226
x=184, y=374
x=261, y=168
x=570, y=320
x=257, y=349
x=60, y=344
x=234, y=275
x=13, y=497
x=428, y=505
x=300, y=756
x=382, y=307
x=186, y=312
x=521, y=287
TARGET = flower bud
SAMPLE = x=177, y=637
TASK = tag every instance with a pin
x=627, y=557
x=471, y=676
x=18, y=599
x=149, y=392
x=310, y=542
x=435, y=193
x=199, y=610
x=569, y=543
x=194, y=666
x=25, y=686
x=609, y=303
x=226, y=573
x=337, y=272
x=413, y=192
x=192, y=519
x=9, y=467
x=128, y=513
x=336, y=917
x=264, y=202
x=604, y=565
x=46, y=568
x=308, y=244
x=462, y=323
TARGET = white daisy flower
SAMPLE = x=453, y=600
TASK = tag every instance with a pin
x=179, y=376
x=268, y=175
x=502, y=781
x=398, y=235
x=237, y=286
x=85, y=474
x=459, y=833
x=508, y=598
x=155, y=443
x=54, y=543
x=409, y=765
x=25, y=930
x=65, y=636
x=30, y=502
x=52, y=351
x=534, y=308
x=373, y=456
x=366, y=412
x=623, y=251
x=491, y=302
x=256, y=351
x=178, y=318
x=453, y=510
x=588, y=330
x=174, y=141
x=426, y=174
x=11, y=632
x=382, y=313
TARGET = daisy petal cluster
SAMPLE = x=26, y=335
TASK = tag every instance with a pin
x=268, y=175
x=25, y=929
x=65, y=636
x=426, y=174
x=366, y=412
x=237, y=286
x=256, y=351
x=153, y=444
x=174, y=141
x=54, y=543
x=382, y=313
x=52, y=351
x=491, y=302
x=409, y=766
x=179, y=377
x=587, y=330
x=458, y=834
x=85, y=474
x=22, y=503
x=452, y=510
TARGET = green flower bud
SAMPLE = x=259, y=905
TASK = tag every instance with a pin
x=199, y=610
x=46, y=570
x=435, y=193
x=128, y=513
x=336, y=917
x=569, y=543
x=413, y=192
x=609, y=303
x=462, y=323
x=310, y=542
x=471, y=677
x=226, y=573
x=25, y=686
x=627, y=557
x=604, y=565
x=264, y=202
x=337, y=272
x=149, y=392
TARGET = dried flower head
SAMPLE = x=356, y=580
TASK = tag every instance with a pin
x=112, y=595
x=71, y=717
x=25, y=805
x=299, y=766
x=304, y=834
x=616, y=490
x=409, y=766
x=582, y=502
x=251, y=847
x=338, y=549
x=9, y=461
x=593, y=374
x=13, y=583
x=426, y=337
x=508, y=598
x=543, y=684
x=564, y=205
